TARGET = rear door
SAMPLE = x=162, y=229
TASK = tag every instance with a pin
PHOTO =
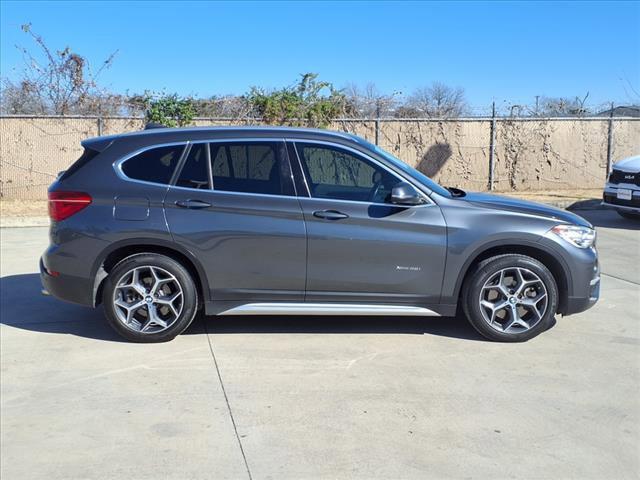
x=233, y=205
x=361, y=248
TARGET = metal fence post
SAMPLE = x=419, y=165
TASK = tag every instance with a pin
x=378, y=123
x=99, y=126
x=609, y=140
x=492, y=145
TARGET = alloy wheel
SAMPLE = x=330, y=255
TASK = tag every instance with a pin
x=148, y=299
x=513, y=300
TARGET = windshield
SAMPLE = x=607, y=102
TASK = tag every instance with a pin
x=412, y=172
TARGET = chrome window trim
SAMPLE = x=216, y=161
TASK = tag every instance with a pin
x=117, y=164
x=209, y=168
x=181, y=162
x=400, y=177
x=225, y=192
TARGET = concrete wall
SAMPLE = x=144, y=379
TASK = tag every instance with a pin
x=529, y=154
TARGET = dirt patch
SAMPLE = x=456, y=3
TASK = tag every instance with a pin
x=556, y=196
x=23, y=208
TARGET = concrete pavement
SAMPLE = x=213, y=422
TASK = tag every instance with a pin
x=311, y=397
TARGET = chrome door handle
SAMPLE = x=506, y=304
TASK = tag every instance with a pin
x=330, y=214
x=192, y=204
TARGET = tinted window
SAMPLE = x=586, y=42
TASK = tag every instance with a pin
x=194, y=173
x=338, y=174
x=85, y=158
x=155, y=165
x=254, y=167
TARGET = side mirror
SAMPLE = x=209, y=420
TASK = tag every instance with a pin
x=405, y=194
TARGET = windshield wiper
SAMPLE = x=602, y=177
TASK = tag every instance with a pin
x=456, y=192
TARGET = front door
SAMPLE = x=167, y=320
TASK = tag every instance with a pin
x=233, y=206
x=361, y=248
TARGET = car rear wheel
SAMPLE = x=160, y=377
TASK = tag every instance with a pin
x=510, y=298
x=149, y=298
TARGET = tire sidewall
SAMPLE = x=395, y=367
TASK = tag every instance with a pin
x=488, y=268
x=189, y=291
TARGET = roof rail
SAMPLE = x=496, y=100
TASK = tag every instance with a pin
x=151, y=125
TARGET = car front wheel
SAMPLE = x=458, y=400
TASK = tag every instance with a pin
x=510, y=298
x=149, y=298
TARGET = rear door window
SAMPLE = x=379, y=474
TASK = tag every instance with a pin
x=195, y=172
x=251, y=167
x=155, y=165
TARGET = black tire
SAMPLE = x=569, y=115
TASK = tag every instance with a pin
x=629, y=215
x=489, y=268
x=189, y=300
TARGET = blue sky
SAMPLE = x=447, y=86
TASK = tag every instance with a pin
x=496, y=51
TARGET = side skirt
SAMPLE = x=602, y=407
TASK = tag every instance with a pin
x=328, y=309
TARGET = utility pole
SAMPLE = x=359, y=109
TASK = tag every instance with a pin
x=609, y=140
x=378, y=100
x=492, y=144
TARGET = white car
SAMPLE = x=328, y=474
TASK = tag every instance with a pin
x=622, y=190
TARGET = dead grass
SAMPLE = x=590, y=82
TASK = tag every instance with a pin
x=23, y=208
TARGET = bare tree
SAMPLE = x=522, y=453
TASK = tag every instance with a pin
x=225, y=106
x=59, y=82
x=563, y=107
x=369, y=102
x=438, y=100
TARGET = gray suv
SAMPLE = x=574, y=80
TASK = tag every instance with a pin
x=161, y=224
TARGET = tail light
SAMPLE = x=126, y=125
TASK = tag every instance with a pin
x=64, y=204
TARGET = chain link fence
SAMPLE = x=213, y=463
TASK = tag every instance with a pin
x=501, y=154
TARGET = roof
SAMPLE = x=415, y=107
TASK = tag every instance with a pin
x=622, y=111
x=166, y=135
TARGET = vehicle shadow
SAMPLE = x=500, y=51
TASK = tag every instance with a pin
x=453, y=327
x=608, y=218
x=22, y=306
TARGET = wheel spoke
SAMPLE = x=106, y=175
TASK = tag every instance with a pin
x=531, y=304
x=514, y=319
x=158, y=281
x=136, y=283
x=168, y=300
x=131, y=308
x=501, y=286
x=152, y=319
x=526, y=283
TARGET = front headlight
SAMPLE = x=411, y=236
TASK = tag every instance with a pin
x=581, y=237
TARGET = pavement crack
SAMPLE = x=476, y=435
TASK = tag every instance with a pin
x=226, y=399
x=619, y=278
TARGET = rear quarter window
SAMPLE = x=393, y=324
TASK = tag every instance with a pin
x=155, y=165
x=84, y=159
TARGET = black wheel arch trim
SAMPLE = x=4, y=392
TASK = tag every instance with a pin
x=541, y=245
x=98, y=274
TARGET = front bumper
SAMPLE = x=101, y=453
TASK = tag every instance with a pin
x=585, y=302
x=580, y=286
